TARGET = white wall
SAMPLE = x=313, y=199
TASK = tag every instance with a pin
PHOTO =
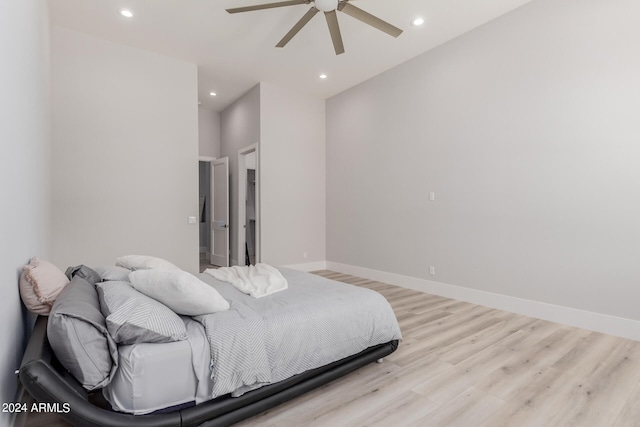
x=292, y=177
x=125, y=160
x=239, y=128
x=527, y=131
x=208, y=133
x=24, y=170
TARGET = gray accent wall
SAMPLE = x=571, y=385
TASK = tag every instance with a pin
x=239, y=128
x=24, y=171
x=290, y=129
x=125, y=159
x=292, y=176
x=208, y=133
x=526, y=130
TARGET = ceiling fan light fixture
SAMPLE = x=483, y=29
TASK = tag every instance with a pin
x=326, y=5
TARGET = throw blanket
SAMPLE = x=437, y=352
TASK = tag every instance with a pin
x=315, y=322
x=257, y=280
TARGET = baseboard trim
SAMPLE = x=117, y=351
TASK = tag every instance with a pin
x=604, y=323
x=309, y=266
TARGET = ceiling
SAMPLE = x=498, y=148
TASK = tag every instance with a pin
x=235, y=52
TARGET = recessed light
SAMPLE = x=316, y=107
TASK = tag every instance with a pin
x=126, y=13
x=323, y=76
x=213, y=94
x=416, y=22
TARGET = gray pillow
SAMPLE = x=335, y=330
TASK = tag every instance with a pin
x=83, y=271
x=112, y=273
x=79, y=337
x=135, y=318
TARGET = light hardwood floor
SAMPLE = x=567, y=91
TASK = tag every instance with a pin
x=204, y=263
x=466, y=365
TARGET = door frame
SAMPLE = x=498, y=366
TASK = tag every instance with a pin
x=242, y=200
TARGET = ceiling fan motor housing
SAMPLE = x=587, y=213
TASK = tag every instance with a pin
x=326, y=5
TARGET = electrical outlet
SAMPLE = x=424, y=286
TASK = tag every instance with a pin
x=192, y=220
x=432, y=270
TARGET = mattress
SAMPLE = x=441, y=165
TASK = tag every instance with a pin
x=314, y=323
x=152, y=377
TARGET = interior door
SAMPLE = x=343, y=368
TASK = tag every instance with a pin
x=220, y=214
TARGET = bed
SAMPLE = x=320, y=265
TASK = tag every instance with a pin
x=144, y=391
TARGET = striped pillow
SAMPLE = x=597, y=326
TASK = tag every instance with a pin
x=135, y=318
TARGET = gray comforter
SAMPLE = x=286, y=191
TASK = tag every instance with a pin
x=313, y=323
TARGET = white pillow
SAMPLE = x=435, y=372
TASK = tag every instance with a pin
x=180, y=291
x=144, y=262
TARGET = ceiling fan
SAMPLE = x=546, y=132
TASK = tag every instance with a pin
x=329, y=7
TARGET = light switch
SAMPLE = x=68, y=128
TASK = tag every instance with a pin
x=432, y=196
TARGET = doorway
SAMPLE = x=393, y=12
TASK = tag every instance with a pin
x=205, y=193
x=248, y=248
x=214, y=212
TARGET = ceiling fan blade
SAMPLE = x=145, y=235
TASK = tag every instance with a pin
x=334, y=29
x=368, y=18
x=296, y=28
x=268, y=6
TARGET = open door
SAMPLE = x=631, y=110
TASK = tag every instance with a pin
x=220, y=214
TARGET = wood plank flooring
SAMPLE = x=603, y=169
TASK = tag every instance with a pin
x=466, y=365
x=204, y=263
